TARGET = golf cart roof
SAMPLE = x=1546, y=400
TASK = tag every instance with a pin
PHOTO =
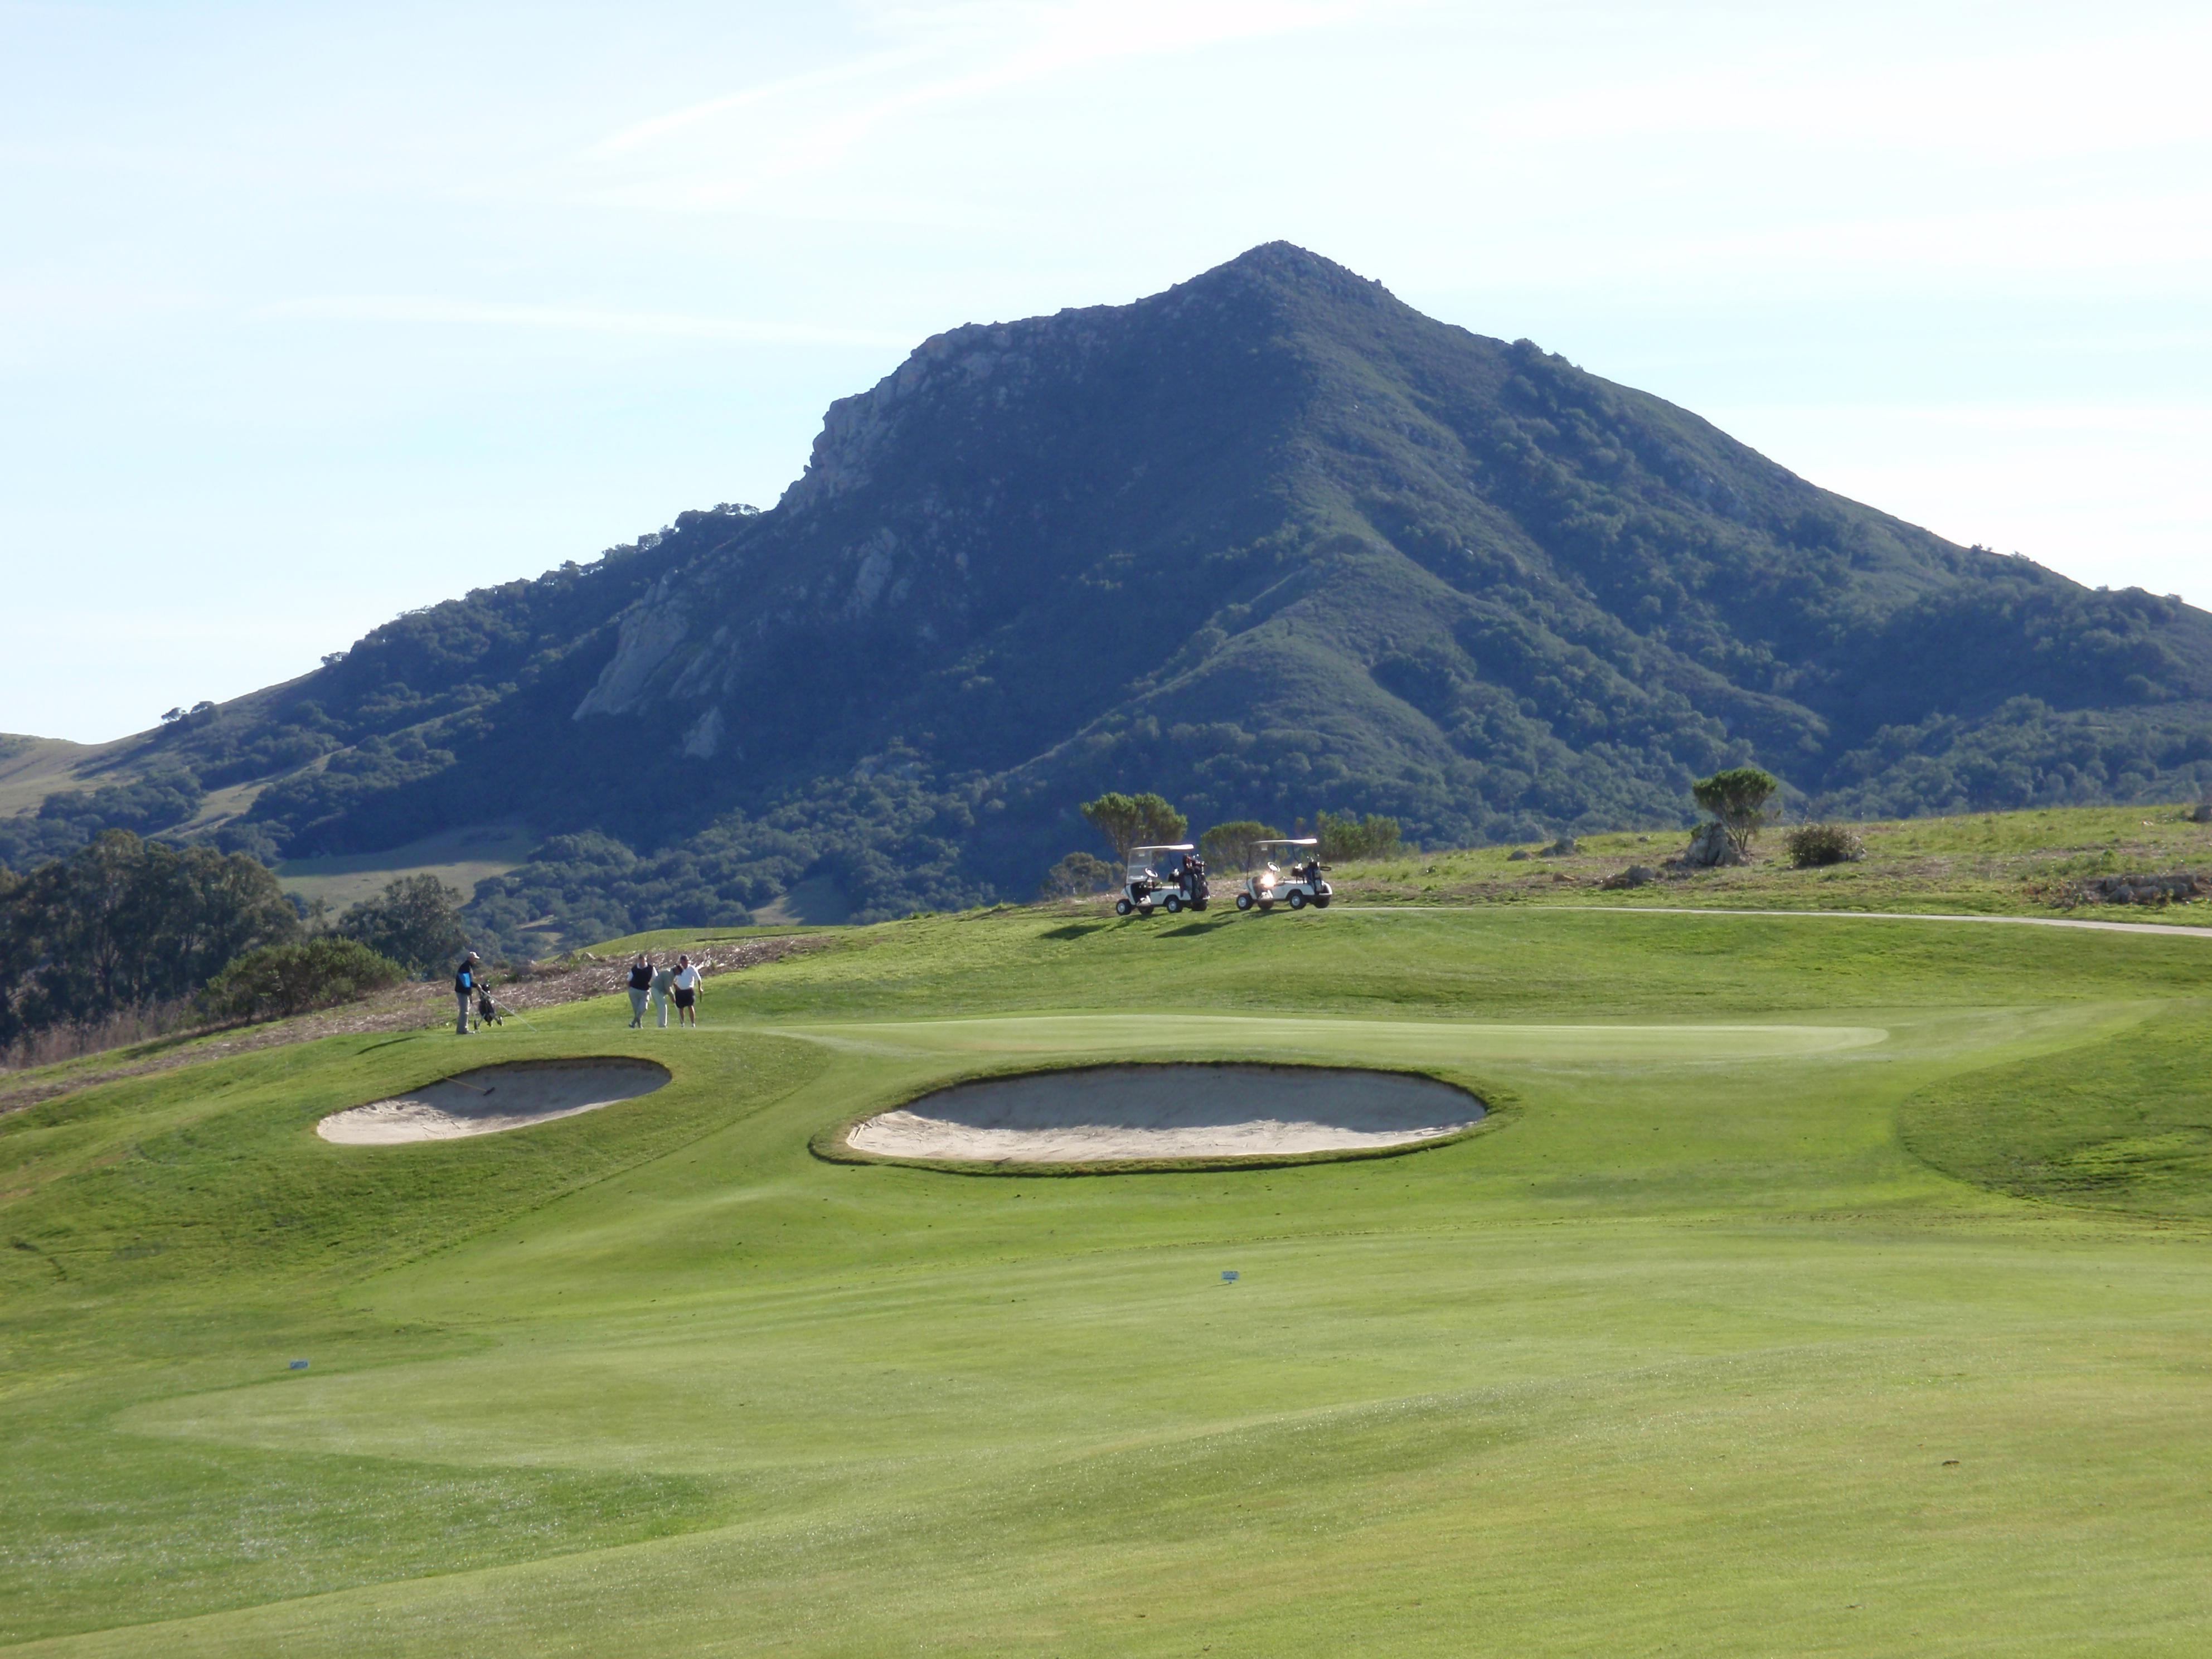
x=1165, y=846
x=1290, y=841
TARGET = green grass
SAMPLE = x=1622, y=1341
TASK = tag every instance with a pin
x=460, y=858
x=2125, y=1123
x=1675, y=1357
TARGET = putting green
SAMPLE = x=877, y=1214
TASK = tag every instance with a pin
x=1686, y=1347
x=1436, y=1041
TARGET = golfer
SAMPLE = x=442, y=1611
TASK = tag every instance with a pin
x=662, y=977
x=465, y=986
x=641, y=987
x=686, y=985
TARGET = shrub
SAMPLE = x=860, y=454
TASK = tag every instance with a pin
x=1823, y=843
x=290, y=979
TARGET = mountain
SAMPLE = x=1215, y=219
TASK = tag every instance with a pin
x=1271, y=542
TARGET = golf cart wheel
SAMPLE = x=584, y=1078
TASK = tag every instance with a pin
x=1244, y=901
x=1297, y=898
x=1122, y=907
x=1175, y=903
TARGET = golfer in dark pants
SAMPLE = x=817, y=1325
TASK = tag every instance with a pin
x=685, y=985
x=465, y=989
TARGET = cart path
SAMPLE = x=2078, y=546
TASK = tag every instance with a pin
x=2165, y=929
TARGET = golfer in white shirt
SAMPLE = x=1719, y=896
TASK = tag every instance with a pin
x=686, y=987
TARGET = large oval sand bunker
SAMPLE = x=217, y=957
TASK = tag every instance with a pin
x=491, y=1099
x=1098, y=1113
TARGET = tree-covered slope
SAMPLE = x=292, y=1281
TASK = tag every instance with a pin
x=1270, y=542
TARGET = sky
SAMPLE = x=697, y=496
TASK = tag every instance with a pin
x=312, y=315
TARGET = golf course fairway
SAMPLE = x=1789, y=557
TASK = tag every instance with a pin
x=1811, y=1287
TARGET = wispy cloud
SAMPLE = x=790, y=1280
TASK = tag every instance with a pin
x=569, y=319
x=724, y=151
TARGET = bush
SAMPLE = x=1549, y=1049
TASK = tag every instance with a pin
x=1823, y=843
x=290, y=979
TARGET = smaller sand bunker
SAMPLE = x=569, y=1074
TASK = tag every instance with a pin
x=1100, y=1113
x=491, y=1099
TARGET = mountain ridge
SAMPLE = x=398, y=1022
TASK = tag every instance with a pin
x=1271, y=540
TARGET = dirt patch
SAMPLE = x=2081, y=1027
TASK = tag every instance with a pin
x=1112, y=1114
x=493, y=1098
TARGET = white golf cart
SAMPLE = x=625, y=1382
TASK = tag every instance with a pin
x=1182, y=888
x=1297, y=887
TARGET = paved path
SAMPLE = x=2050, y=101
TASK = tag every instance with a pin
x=2165, y=929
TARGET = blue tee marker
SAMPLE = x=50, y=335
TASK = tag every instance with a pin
x=1228, y=1275
x=299, y=1365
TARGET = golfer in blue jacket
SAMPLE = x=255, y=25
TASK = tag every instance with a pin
x=464, y=988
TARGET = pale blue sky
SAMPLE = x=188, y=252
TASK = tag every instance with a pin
x=311, y=315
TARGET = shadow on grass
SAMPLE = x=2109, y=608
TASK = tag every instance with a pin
x=1190, y=928
x=1076, y=930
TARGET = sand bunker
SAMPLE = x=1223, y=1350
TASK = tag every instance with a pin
x=1120, y=1112
x=491, y=1099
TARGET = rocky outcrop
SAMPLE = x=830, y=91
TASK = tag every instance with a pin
x=704, y=739
x=2178, y=888
x=1710, y=848
x=654, y=632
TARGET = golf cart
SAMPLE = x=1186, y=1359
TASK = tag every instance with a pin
x=1182, y=887
x=1297, y=887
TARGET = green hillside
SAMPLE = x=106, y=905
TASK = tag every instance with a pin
x=1816, y=1286
x=1271, y=542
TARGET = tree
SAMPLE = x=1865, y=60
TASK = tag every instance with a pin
x=278, y=979
x=1077, y=874
x=1229, y=845
x=416, y=921
x=1161, y=822
x=1128, y=821
x=1345, y=837
x=1738, y=798
x=123, y=923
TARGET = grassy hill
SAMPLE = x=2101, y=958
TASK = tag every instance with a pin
x=1818, y=1285
x=1271, y=542
x=2031, y=864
